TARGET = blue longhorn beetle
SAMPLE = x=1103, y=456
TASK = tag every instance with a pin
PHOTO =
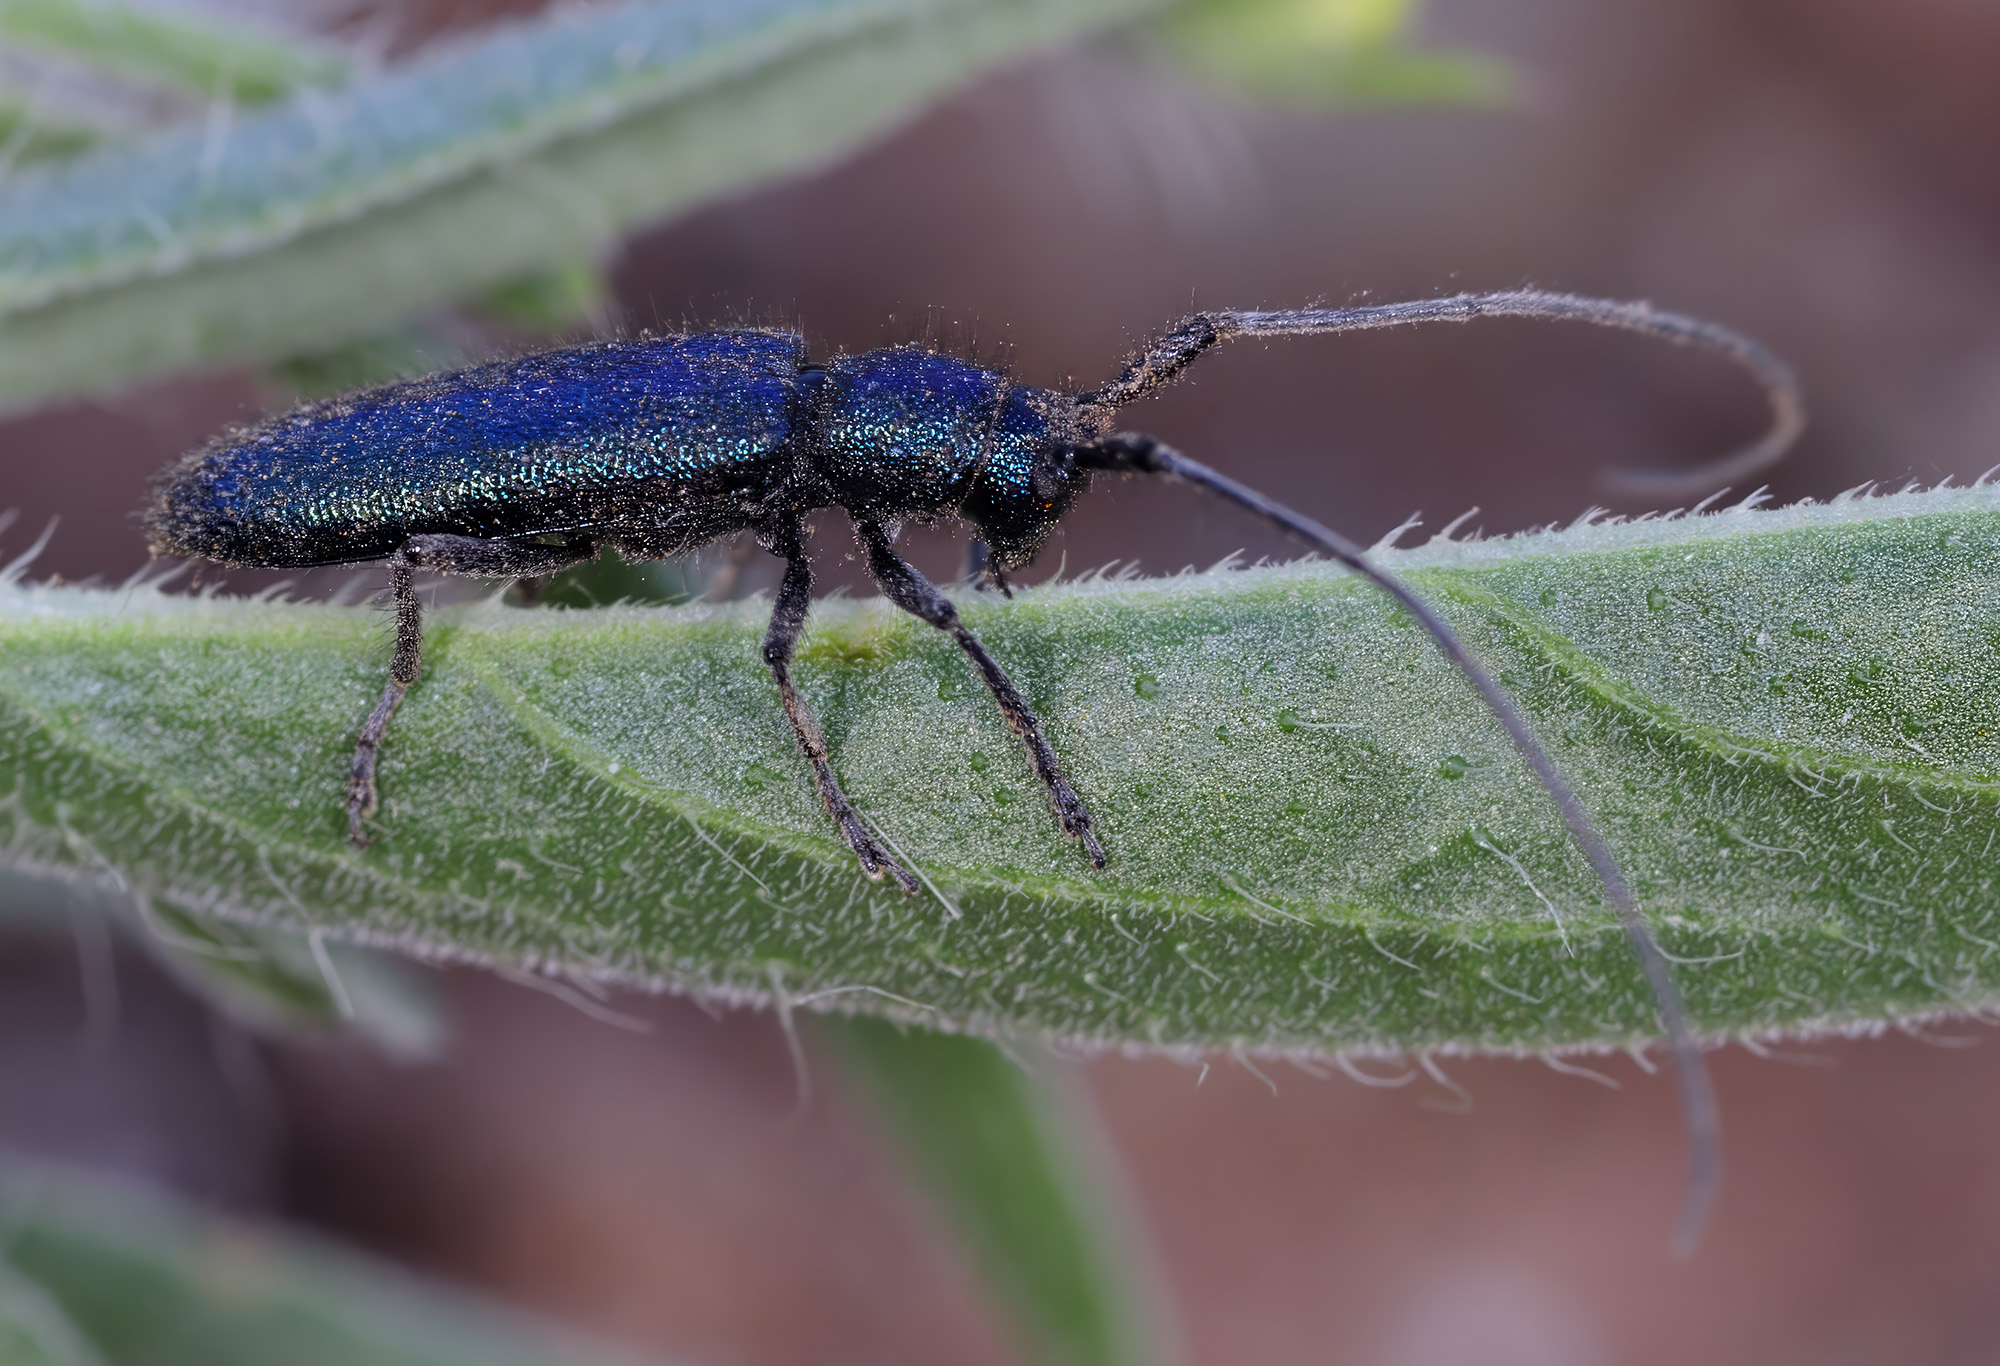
x=657, y=445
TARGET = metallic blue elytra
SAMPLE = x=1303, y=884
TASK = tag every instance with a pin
x=655, y=445
x=665, y=438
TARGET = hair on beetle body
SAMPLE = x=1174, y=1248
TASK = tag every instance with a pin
x=656, y=445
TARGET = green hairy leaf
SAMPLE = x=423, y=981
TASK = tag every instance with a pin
x=1319, y=839
x=318, y=220
x=96, y=1274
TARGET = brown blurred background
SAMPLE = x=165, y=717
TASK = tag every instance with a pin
x=1820, y=173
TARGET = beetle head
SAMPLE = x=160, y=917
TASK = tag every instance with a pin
x=1029, y=477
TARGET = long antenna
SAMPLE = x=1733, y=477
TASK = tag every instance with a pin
x=1135, y=453
x=1173, y=351
x=1167, y=355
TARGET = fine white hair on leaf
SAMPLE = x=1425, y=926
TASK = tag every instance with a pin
x=1346, y=1064
x=1461, y=1102
x=1556, y=1063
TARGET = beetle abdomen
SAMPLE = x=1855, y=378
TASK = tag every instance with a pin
x=668, y=442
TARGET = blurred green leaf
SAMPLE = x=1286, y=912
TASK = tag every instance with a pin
x=327, y=219
x=267, y=977
x=286, y=981
x=1325, y=52
x=564, y=296
x=34, y=1328
x=98, y=1274
x=30, y=134
x=154, y=43
x=403, y=353
x=1005, y=1156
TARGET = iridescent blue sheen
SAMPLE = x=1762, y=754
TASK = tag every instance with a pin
x=904, y=428
x=657, y=444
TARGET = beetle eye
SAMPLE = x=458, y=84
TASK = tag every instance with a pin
x=1047, y=481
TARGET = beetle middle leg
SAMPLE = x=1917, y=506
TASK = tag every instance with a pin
x=917, y=595
x=445, y=555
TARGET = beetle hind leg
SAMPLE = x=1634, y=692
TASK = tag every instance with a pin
x=362, y=799
x=464, y=555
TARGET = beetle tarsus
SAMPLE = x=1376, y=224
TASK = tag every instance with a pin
x=1076, y=820
x=875, y=860
x=361, y=800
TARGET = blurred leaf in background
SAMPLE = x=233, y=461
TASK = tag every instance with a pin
x=81, y=75
x=208, y=59
x=472, y=168
x=416, y=348
x=1326, y=52
x=1008, y=1157
x=495, y=168
x=267, y=978
x=28, y=134
x=99, y=1274
x=284, y=981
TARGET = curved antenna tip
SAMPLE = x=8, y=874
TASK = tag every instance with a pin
x=1134, y=453
x=1170, y=353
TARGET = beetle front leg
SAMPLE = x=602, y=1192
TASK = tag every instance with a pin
x=464, y=555
x=918, y=596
